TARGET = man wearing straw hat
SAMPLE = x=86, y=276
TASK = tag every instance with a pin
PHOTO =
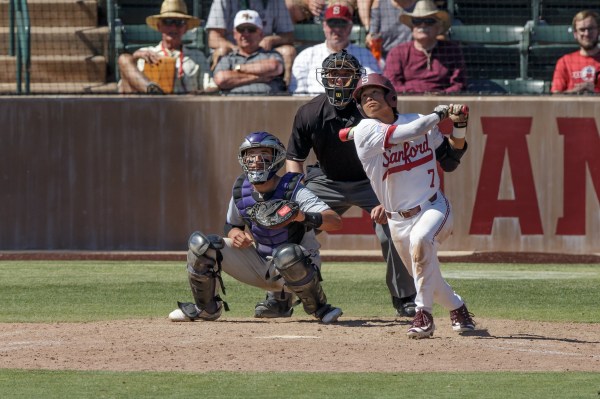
x=426, y=64
x=180, y=69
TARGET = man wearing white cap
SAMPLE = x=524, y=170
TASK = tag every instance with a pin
x=337, y=27
x=250, y=69
x=277, y=28
x=189, y=67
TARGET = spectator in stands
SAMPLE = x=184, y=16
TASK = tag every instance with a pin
x=278, y=29
x=337, y=27
x=426, y=64
x=384, y=18
x=249, y=69
x=313, y=11
x=578, y=72
x=189, y=73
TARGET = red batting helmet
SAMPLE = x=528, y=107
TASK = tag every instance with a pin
x=376, y=79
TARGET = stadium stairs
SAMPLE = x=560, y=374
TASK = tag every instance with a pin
x=69, y=50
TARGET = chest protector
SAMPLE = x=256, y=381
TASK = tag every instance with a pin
x=267, y=240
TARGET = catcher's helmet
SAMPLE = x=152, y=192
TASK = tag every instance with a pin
x=339, y=75
x=376, y=79
x=267, y=168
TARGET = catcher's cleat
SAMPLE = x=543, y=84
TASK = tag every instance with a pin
x=462, y=319
x=328, y=314
x=422, y=325
x=271, y=308
x=188, y=311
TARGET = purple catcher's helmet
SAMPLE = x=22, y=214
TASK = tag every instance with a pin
x=329, y=76
x=270, y=168
x=376, y=79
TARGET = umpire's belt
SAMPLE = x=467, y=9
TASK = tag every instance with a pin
x=407, y=214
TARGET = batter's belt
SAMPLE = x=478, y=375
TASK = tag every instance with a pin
x=407, y=214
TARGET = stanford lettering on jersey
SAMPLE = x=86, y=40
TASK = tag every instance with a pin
x=410, y=156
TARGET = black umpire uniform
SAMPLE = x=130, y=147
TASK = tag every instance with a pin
x=339, y=180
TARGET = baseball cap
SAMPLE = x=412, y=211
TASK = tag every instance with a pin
x=247, y=17
x=338, y=11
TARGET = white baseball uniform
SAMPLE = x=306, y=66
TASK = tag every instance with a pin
x=400, y=161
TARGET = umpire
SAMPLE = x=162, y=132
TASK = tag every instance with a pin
x=338, y=177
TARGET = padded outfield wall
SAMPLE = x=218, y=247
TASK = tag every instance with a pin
x=120, y=173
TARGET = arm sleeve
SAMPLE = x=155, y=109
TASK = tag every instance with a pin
x=448, y=156
x=397, y=133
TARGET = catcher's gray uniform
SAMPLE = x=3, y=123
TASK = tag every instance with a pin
x=247, y=266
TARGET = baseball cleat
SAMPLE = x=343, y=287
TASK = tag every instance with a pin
x=188, y=311
x=422, y=325
x=272, y=308
x=328, y=314
x=462, y=319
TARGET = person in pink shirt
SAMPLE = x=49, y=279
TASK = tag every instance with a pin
x=578, y=72
x=426, y=64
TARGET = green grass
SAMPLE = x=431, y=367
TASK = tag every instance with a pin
x=51, y=384
x=45, y=291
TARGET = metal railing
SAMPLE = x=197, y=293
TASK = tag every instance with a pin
x=20, y=43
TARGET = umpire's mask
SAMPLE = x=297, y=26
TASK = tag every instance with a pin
x=339, y=76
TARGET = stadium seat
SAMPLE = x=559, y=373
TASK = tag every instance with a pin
x=505, y=12
x=509, y=86
x=547, y=44
x=561, y=12
x=493, y=51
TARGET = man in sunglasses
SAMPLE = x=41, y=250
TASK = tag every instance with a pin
x=278, y=30
x=177, y=68
x=337, y=27
x=250, y=69
x=426, y=64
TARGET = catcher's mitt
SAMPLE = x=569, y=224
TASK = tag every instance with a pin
x=273, y=214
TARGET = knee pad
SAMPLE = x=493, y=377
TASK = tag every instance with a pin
x=300, y=275
x=199, y=243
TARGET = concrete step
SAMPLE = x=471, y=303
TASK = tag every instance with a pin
x=84, y=41
x=57, y=68
x=57, y=12
x=63, y=88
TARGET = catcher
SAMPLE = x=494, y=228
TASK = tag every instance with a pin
x=399, y=153
x=278, y=252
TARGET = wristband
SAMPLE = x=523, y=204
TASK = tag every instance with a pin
x=313, y=220
x=459, y=132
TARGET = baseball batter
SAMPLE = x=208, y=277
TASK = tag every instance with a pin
x=399, y=155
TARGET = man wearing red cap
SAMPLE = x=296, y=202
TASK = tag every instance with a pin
x=337, y=27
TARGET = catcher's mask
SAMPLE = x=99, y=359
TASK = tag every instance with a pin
x=376, y=79
x=339, y=75
x=259, y=169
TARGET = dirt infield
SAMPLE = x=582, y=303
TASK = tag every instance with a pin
x=298, y=344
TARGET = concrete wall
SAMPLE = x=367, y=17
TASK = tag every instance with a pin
x=118, y=173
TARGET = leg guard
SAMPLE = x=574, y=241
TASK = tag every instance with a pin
x=203, y=274
x=304, y=279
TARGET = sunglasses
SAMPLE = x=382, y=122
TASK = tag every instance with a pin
x=424, y=21
x=337, y=23
x=247, y=29
x=174, y=22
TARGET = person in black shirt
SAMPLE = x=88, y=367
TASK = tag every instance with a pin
x=338, y=177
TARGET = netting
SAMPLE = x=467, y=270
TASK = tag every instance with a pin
x=93, y=46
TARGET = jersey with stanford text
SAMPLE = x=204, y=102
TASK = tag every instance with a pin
x=403, y=175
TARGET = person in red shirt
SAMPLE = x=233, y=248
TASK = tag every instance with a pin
x=578, y=72
x=426, y=64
